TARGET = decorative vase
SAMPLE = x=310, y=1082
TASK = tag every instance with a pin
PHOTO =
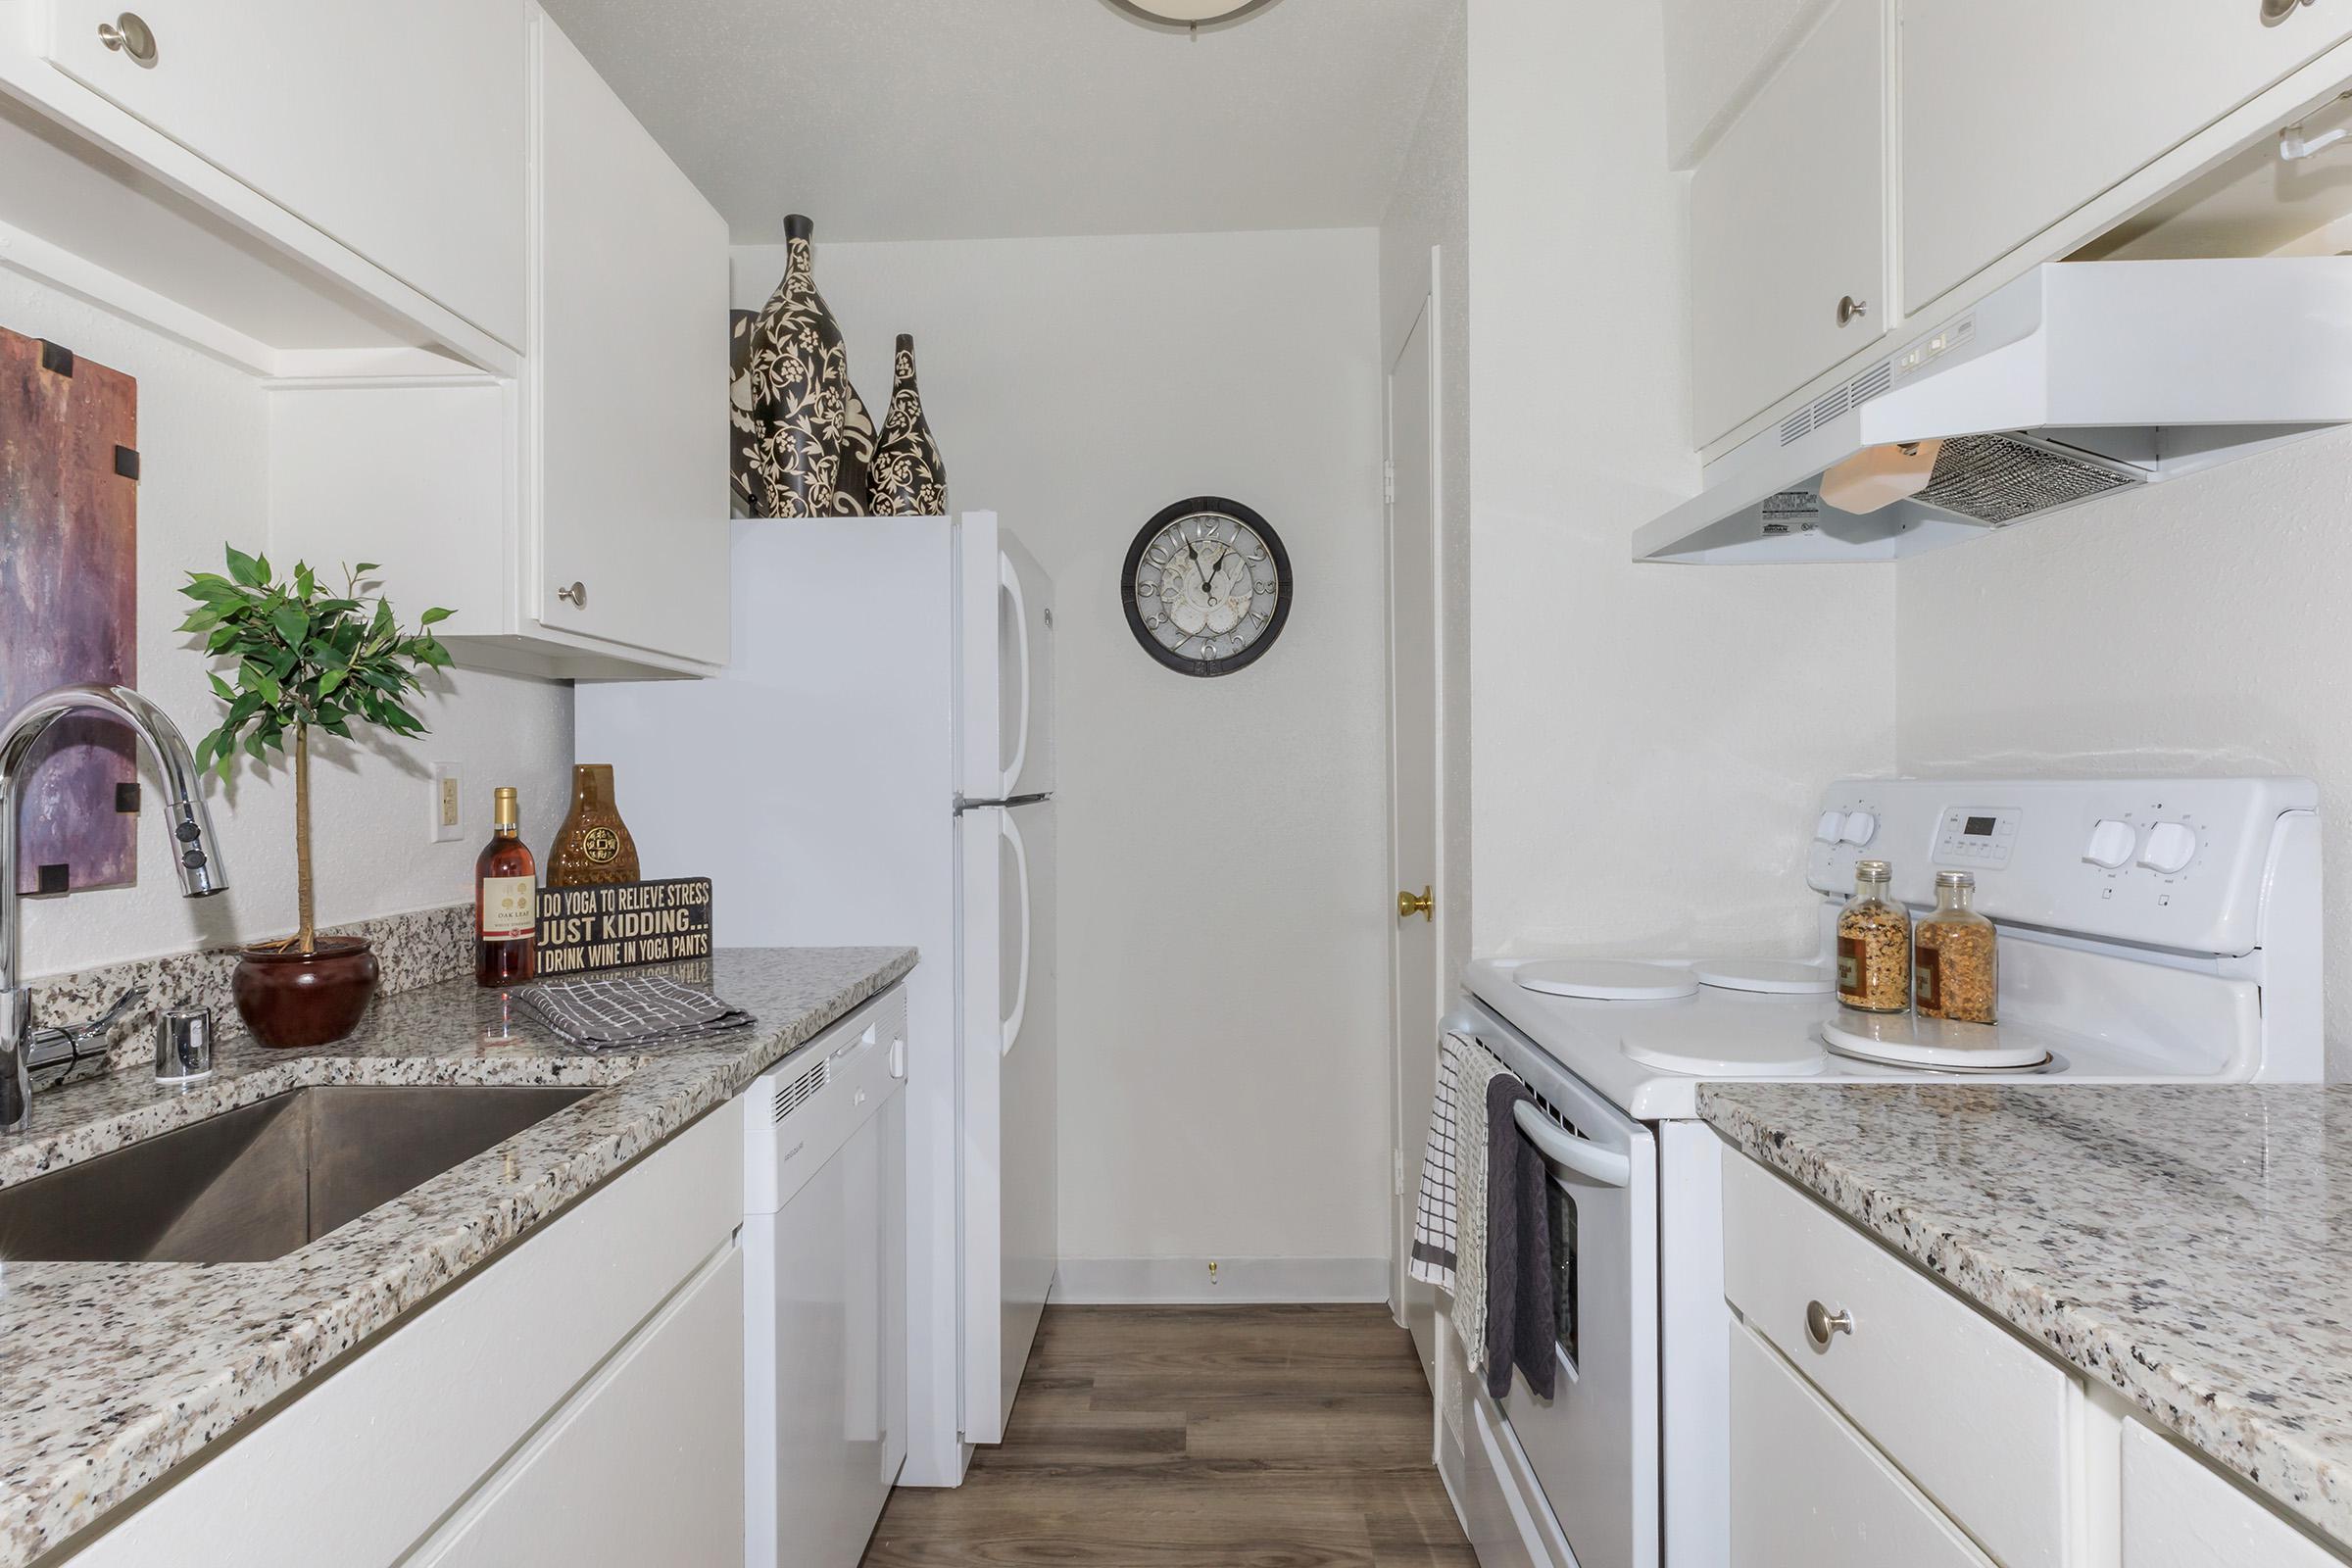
x=909, y=479
x=743, y=438
x=593, y=847
x=812, y=437
x=293, y=1000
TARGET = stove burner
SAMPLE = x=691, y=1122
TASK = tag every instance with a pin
x=1607, y=980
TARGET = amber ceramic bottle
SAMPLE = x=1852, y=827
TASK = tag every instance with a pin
x=593, y=847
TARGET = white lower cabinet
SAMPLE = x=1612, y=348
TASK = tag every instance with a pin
x=583, y=1390
x=1808, y=1491
x=644, y=1466
x=2178, y=1514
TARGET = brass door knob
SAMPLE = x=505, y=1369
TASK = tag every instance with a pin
x=1407, y=905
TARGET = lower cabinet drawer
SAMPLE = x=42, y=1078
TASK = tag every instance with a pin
x=1970, y=1413
x=1807, y=1491
x=2178, y=1514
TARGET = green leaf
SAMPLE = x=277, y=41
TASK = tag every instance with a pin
x=221, y=689
x=328, y=681
x=434, y=616
x=246, y=568
x=291, y=623
x=367, y=566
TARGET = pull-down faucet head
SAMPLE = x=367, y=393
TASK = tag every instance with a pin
x=195, y=855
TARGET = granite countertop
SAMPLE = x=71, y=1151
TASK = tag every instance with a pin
x=113, y=1374
x=2190, y=1247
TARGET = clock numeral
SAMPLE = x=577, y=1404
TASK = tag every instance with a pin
x=1152, y=620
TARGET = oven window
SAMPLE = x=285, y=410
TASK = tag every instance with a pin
x=1563, y=1269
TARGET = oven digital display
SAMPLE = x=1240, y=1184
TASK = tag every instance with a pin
x=1979, y=827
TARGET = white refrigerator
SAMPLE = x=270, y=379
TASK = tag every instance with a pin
x=877, y=766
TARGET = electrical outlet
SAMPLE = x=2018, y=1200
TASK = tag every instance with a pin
x=448, y=804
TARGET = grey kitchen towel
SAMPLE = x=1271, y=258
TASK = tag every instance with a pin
x=1519, y=1321
x=1435, y=1230
x=620, y=1012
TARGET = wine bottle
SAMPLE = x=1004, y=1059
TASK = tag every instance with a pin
x=506, y=901
x=593, y=846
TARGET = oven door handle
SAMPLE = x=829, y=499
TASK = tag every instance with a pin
x=1568, y=1151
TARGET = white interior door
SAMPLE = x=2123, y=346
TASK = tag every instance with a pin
x=1416, y=954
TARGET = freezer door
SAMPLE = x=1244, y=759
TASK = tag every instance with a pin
x=1006, y=1079
x=1005, y=615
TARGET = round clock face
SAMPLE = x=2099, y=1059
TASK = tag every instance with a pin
x=1207, y=586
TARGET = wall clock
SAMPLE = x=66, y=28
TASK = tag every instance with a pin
x=1207, y=586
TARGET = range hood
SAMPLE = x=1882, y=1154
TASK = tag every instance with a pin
x=2078, y=380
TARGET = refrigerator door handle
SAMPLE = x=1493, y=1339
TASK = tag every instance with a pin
x=1020, y=993
x=1012, y=581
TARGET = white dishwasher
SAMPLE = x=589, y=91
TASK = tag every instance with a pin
x=824, y=1249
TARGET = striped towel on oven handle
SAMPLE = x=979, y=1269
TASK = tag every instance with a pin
x=1435, y=1231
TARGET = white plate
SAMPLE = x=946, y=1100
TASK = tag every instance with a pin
x=1774, y=976
x=1906, y=1041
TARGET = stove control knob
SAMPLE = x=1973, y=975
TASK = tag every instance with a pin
x=2111, y=845
x=1860, y=828
x=2171, y=847
x=1832, y=824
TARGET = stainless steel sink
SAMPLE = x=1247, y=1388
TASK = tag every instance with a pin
x=260, y=1181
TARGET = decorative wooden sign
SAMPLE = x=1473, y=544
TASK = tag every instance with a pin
x=69, y=602
x=623, y=923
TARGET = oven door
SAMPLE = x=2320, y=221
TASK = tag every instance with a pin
x=1592, y=1447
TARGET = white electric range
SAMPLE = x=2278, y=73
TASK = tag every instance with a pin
x=2151, y=930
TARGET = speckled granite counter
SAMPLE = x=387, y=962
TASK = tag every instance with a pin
x=112, y=1374
x=2190, y=1246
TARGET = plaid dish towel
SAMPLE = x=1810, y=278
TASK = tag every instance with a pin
x=1476, y=1068
x=612, y=1011
x=1434, y=1232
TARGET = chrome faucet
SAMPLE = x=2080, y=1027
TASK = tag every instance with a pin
x=196, y=860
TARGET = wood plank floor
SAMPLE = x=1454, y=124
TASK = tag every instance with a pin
x=1214, y=1437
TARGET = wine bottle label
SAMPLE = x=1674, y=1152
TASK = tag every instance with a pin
x=510, y=908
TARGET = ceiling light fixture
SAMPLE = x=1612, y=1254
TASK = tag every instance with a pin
x=1190, y=14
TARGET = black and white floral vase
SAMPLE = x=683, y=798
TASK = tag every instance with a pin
x=811, y=441
x=909, y=478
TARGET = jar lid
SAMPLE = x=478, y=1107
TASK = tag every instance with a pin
x=1873, y=870
x=1954, y=879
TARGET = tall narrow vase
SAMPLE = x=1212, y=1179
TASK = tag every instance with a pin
x=909, y=478
x=811, y=438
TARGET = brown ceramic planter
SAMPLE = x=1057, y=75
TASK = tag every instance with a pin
x=290, y=998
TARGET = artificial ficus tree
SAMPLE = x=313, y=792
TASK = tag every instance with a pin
x=303, y=657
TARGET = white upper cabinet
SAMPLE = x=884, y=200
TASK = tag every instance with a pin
x=2017, y=111
x=1789, y=251
x=395, y=130
x=626, y=381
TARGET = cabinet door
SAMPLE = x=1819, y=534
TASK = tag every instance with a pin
x=2017, y=111
x=1787, y=219
x=2179, y=1514
x=397, y=129
x=628, y=378
x=646, y=1463
x=1808, y=1491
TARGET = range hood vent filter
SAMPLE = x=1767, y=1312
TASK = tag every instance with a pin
x=1999, y=479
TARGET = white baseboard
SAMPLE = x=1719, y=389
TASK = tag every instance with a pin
x=1184, y=1280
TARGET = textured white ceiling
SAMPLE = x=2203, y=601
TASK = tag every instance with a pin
x=987, y=119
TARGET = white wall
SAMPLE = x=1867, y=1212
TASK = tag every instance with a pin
x=1223, y=955
x=1646, y=741
x=2197, y=626
x=1431, y=209
x=202, y=446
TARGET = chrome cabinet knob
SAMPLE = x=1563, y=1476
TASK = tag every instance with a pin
x=129, y=35
x=1851, y=309
x=576, y=596
x=1821, y=1323
x=2278, y=11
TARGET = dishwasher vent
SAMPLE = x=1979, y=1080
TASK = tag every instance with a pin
x=793, y=1095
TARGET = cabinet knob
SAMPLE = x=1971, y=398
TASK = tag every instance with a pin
x=1409, y=906
x=1851, y=309
x=2274, y=12
x=576, y=596
x=129, y=35
x=1821, y=1323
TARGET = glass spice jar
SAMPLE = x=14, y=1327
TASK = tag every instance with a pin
x=1956, y=959
x=1874, y=943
